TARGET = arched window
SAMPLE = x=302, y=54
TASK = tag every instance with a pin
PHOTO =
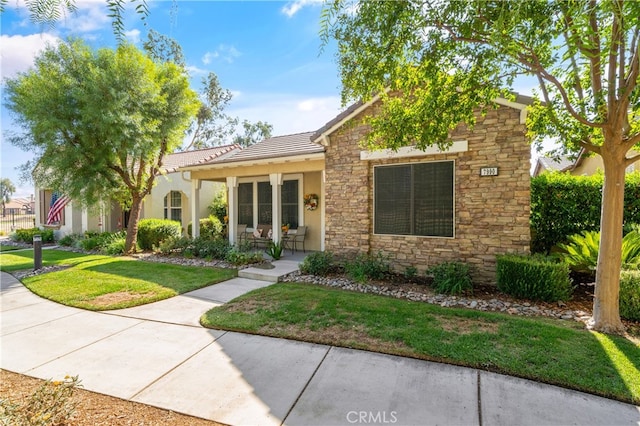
x=173, y=206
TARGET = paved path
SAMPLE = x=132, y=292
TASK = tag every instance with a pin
x=157, y=354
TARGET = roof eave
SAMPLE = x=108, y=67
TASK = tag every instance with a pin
x=256, y=162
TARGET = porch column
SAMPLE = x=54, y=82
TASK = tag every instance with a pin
x=276, y=205
x=232, y=198
x=195, y=207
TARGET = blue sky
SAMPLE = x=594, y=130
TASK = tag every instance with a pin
x=266, y=52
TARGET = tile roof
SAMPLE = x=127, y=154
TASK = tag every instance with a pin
x=560, y=164
x=275, y=147
x=174, y=161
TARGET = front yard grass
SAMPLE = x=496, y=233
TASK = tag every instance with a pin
x=10, y=262
x=97, y=282
x=551, y=351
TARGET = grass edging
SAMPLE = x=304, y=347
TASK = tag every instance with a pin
x=556, y=352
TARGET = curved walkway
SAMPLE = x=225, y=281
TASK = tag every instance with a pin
x=157, y=354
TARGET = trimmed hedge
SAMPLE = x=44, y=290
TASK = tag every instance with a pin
x=26, y=235
x=151, y=232
x=563, y=205
x=630, y=295
x=210, y=228
x=533, y=277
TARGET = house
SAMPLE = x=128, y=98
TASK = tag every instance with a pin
x=19, y=206
x=169, y=198
x=584, y=164
x=467, y=203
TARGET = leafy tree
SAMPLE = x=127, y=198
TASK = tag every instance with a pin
x=6, y=191
x=433, y=62
x=101, y=122
x=212, y=125
x=253, y=133
x=48, y=12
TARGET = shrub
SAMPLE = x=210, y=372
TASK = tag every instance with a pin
x=318, y=263
x=630, y=295
x=218, y=206
x=581, y=253
x=89, y=243
x=237, y=257
x=451, y=277
x=26, y=235
x=210, y=227
x=563, y=205
x=410, y=272
x=275, y=249
x=151, y=232
x=207, y=248
x=69, y=240
x=368, y=266
x=534, y=277
x=51, y=404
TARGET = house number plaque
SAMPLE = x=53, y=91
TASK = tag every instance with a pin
x=489, y=171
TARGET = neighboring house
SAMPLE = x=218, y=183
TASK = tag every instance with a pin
x=20, y=206
x=468, y=203
x=584, y=164
x=169, y=198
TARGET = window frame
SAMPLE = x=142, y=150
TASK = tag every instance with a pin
x=285, y=177
x=168, y=206
x=412, y=212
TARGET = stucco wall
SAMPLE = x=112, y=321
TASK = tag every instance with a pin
x=154, y=203
x=491, y=213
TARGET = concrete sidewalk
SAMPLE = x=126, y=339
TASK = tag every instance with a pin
x=158, y=354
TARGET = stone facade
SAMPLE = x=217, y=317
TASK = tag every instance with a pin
x=491, y=213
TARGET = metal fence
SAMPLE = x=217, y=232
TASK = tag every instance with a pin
x=11, y=221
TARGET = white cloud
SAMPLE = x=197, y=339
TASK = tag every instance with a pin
x=287, y=113
x=227, y=53
x=133, y=36
x=294, y=7
x=195, y=71
x=18, y=52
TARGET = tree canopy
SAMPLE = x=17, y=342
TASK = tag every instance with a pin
x=100, y=122
x=6, y=191
x=434, y=63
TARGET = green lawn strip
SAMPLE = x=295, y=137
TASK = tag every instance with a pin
x=546, y=350
x=116, y=282
x=4, y=247
x=16, y=261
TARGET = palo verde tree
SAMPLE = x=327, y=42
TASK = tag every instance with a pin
x=440, y=60
x=100, y=122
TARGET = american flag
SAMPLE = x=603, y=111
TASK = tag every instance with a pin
x=56, y=207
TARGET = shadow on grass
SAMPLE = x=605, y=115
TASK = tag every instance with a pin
x=179, y=278
x=21, y=260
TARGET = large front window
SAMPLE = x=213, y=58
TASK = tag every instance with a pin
x=264, y=203
x=255, y=199
x=414, y=199
x=290, y=203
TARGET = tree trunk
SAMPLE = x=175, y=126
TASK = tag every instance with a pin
x=606, y=311
x=132, y=227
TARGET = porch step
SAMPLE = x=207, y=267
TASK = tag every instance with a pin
x=281, y=268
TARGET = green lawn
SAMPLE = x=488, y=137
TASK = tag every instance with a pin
x=4, y=247
x=24, y=259
x=546, y=350
x=102, y=282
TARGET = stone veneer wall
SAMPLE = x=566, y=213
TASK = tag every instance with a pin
x=491, y=213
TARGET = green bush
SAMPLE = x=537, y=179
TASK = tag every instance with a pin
x=630, y=295
x=368, y=266
x=69, y=240
x=210, y=227
x=26, y=235
x=534, y=277
x=218, y=206
x=563, y=205
x=319, y=263
x=451, y=277
x=211, y=249
x=237, y=257
x=151, y=232
x=581, y=253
